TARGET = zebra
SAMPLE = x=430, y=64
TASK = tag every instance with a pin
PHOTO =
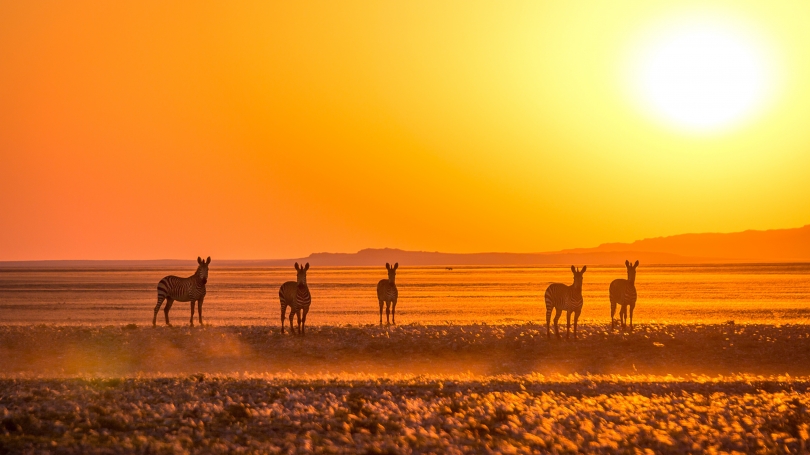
x=296, y=295
x=623, y=292
x=561, y=297
x=189, y=289
x=387, y=293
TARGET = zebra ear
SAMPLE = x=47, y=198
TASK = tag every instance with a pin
x=199, y=260
x=573, y=269
x=208, y=261
x=296, y=266
x=584, y=268
x=626, y=263
x=387, y=266
x=636, y=264
x=306, y=267
x=396, y=265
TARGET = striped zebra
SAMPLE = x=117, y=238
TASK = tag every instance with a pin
x=295, y=294
x=623, y=292
x=189, y=289
x=387, y=293
x=561, y=297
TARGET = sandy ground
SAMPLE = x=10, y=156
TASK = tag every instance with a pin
x=404, y=389
x=765, y=294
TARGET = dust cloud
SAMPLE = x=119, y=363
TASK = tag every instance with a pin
x=479, y=349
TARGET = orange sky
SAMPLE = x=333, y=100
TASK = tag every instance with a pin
x=261, y=130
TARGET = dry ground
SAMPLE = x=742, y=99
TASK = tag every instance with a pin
x=419, y=415
x=405, y=389
x=55, y=351
x=708, y=294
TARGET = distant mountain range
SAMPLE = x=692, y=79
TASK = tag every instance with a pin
x=777, y=245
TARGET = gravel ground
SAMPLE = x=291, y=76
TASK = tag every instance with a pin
x=406, y=389
x=510, y=414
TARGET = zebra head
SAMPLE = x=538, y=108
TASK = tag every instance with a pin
x=392, y=271
x=631, y=271
x=578, y=276
x=302, y=273
x=202, y=269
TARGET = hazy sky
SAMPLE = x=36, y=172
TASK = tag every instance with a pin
x=156, y=129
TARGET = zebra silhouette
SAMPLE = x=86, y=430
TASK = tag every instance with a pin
x=387, y=293
x=189, y=289
x=295, y=294
x=623, y=292
x=561, y=297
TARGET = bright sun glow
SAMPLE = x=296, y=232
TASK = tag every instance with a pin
x=702, y=75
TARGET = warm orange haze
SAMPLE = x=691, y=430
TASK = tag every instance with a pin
x=272, y=130
x=404, y=227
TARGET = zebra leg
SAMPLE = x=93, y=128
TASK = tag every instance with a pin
x=623, y=316
x=169, y=302
x=394, y=312
x=157, y=308
x=632, y=307
x=304, y=320
x=199, y=310
x=283, y=314
x=557, y=314
x=576, y=319
x=292, y=315
x=548, y=322
x=567, y=324
x=192, y=313
x=298, y=320
x=381, y=307
x=612, y=314
x=388, y=313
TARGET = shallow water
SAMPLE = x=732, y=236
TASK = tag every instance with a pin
x=428, y=295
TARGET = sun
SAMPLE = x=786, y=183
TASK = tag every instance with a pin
x=702, y=75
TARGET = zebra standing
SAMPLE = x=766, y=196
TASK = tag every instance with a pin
x=561, y=297
x=623, y=292
x=189, y=289
x=296, y=295
x=387, y=293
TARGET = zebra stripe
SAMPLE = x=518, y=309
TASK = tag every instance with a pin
x=561, y=297
x=295, y=294
x=302, y=297
x=387, y=294
x=191, y=289
x=623, y=293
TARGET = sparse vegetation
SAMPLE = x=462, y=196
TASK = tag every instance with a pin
x=505, y=414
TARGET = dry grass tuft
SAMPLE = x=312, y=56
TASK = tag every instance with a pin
x=213, y=414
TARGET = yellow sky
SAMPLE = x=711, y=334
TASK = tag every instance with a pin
x=258, y=130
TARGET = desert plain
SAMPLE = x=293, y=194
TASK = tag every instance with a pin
x=718, y=361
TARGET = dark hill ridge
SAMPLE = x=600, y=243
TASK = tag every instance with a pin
x=777, y=245
x=372, y=256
